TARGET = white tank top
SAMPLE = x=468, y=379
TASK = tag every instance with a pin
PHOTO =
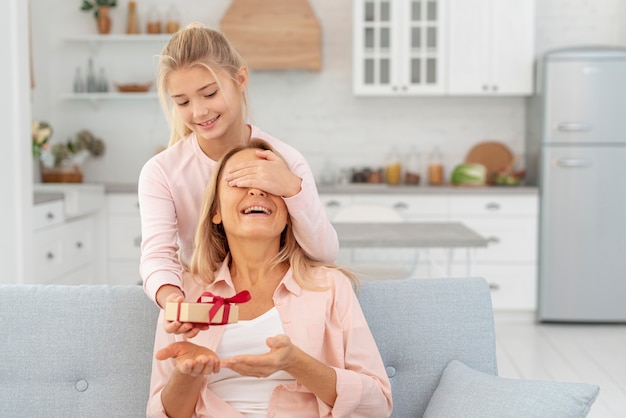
x=248, y=395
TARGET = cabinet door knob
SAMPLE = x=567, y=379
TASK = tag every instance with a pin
x=494, y=88
x=485, y=87
x=492, y=206
x=493, y=240
x=137, y=241
x=400, y=206
x=494, y=286
x=50, y=215
x=333, y=204
x=79, y=244
x=50, y=256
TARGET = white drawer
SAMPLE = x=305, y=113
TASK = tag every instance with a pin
x=509, y=239
x=333, y=202
x=79, y=243
x=83, y=275
x=513, y=287
x=493, y=205
x=124, y=237
x=61, y=249
x=47, y=255
x=123, y=203
x=411, y=207
x=48, y=214
x=124, y=272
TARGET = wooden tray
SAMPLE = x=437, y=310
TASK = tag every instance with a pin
x=133, y=88
x=492, y=154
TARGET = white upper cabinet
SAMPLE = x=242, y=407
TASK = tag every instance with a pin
x=490, y=47
x=443, y=47
x=398, y=47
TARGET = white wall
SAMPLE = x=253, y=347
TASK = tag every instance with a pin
x=314, y=111
x=16, y=161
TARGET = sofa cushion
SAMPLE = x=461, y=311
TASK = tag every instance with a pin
x=463, y=391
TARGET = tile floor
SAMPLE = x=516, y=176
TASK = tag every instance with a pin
x=565, y=352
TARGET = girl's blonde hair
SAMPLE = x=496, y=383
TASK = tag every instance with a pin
x=211, y=245
x=196, y=45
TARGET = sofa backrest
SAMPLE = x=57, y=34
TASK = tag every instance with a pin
x=420, y=325
x=75, y=351
x=86, y=351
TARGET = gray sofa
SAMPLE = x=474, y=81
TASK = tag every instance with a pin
x=85, y=351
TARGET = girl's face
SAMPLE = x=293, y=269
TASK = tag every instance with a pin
x=249, y=212
x=210, y=107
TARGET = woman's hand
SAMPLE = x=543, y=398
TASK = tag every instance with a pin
x=283, y=355
x=269, y=173
x=280, y=357
x=190, y=359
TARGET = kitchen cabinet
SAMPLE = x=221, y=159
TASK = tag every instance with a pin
x=398, y=47
x=68, y=233
x=490, y=47
x=509, y=263
x=124, y=238
x=64, y=249
x=508, y=221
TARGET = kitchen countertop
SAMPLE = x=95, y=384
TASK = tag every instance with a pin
x=387, y=189
x=379, y=188
x=45, y=197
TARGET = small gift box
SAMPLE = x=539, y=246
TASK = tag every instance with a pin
x=208, y=309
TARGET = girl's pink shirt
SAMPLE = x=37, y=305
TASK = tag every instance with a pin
x=328, y=325
x=171, y=189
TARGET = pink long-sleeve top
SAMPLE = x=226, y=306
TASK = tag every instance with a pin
x=328, y=325
x=171, y=189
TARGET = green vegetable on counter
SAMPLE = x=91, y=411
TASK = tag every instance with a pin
x=469, y=174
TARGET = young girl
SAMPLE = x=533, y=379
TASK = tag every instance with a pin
x=302, y=347
x=202, y=87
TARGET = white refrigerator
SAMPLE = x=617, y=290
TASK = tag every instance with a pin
x=577, y=140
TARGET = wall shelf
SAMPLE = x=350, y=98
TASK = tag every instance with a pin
x=118, y=38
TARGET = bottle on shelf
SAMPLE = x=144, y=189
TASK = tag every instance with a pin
x=133, y=22
x=435, y=168
x=393, y=170
x=92, y=85
x=412, y=171
x=79, y=81
x=172, y=22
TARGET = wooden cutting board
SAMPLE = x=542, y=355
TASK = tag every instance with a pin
x=492, y=154
x=274, y=34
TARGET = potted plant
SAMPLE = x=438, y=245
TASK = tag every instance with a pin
x=101, y=12
x=63, y=162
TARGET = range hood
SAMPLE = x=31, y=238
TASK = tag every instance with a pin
x=274, y=34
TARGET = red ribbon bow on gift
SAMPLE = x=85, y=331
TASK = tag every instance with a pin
x=219, y=301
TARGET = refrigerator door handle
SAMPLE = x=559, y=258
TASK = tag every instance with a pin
x=573, y=162
x=574, y=127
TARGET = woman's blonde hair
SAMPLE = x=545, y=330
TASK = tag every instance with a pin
x=196, y=45
x=211, y=244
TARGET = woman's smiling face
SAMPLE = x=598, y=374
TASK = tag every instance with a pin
x=249, y=212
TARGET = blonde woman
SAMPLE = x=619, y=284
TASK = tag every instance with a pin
x=301, y=348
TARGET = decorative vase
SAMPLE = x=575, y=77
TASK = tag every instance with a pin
x=104, y=20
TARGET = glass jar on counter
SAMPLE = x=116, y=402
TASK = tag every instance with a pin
x=435, y=168
x=393, y=169
x=412, y=171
